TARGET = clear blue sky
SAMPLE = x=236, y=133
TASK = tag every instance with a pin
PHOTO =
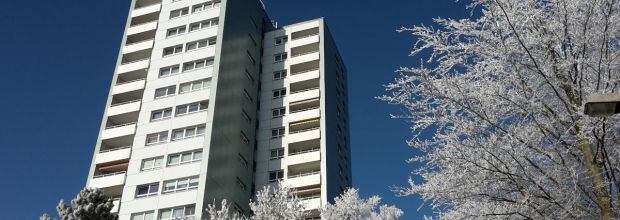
x=58, y=59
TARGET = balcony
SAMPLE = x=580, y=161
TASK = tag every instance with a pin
x=144, y=45
x=305, y=85
x=311, y=203
x=119, y=131
x=305, y=40
x=305, y=156
x=124, y=107
x=108, y=180
x=304, y=135
x=143, y=8
x=136, y=65
x=142, y=27
x=128, y=86
x=115, y=154
x=304, y=76
x=305, y=33
x=305, y=105
x=305, y=57
x=304, y=177
x=304, y=95
x=306, y=114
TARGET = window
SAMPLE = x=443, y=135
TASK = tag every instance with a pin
x=161, y=114
x=245, y=116
x=204, y=6
x=156, y=138
x=143, y=216
x=203, y=24
x=152, y=163
x=173, y=50
x=176, y=31
x=278, y=112
x=177, y=212
x=241, y=184
x=200, y=44
x=277, y=154
x=280, y=57
x=197, y=64
x=281, y=40
x=247, y=95
x=275, y=176
x=244, y=138
x=192, y=108
x=180, y=184
x=183, y=158
x=194, y=85
x=277, y=132
x=280, y=74
x=168, y=71
x=179, y=12
x=279, y=93
x=165, y=92
x=189, y=132
x=147, y=190
x=242, y=160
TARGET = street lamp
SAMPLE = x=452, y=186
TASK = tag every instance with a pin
x=601, y=105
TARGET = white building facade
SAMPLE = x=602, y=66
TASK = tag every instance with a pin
x=210, y=101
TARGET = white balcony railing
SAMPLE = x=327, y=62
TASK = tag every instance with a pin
x=304, y=151
x=306, y=173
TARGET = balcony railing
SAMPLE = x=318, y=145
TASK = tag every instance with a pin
x=137, y=42
x=304, y=151
x=302, y=174
x=121, y=125
x=126, y=82
x=304, y=109
x=114, y=149
x=303, y=90
x=304, y=53
x=134, y=61
x=145, y=23
x=109, y=174
x=127, y=102
x=304, y=71
x=304, y=36
x=311, y=196
x=304, y=130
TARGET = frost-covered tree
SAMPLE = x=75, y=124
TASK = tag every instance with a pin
x=90, y=204
x=349, y=206
x=222, y=213
x=271, y=203
x=496, y=108
x=277, y=202
x=45, y=216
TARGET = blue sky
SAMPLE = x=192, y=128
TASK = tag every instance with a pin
x=58, y=59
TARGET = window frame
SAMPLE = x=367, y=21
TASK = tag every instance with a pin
x=278, y=112
x=176, y=184
x=149, y=192
x=192, y=154
x=159, y=138
x=153, y=161
x=201, y=106
x=281, y=57
x=279, y=176
x=194, y=128
x=167, y=91
x=281, y=131
x=280, y=74
x=282, y=40
x=170, y=70
x=163, y=114
x=279, y=154
x=281, y=93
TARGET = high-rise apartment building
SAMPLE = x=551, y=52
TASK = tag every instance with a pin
x=211, y=101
